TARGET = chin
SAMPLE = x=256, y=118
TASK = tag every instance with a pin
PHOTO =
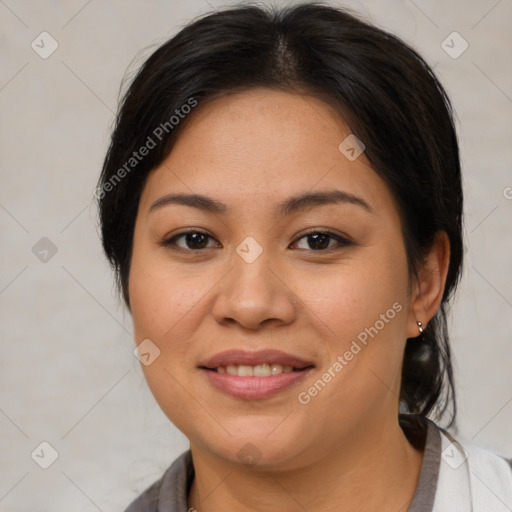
x=257, y=444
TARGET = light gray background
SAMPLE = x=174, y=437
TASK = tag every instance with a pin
x=68, y=375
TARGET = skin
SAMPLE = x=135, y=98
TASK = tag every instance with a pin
x=252, y=150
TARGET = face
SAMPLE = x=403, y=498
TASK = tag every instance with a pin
x=319, y=283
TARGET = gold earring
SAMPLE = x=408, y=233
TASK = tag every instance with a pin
x=419, y=327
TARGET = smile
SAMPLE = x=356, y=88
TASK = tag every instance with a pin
x=259, y=370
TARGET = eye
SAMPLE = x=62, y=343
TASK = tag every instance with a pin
x=193, y=239
x=320, y=240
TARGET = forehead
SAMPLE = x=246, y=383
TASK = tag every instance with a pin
x=267, y=145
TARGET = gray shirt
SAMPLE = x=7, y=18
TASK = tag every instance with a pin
x=170, y=492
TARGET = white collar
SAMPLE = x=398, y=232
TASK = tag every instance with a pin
x=471, y=479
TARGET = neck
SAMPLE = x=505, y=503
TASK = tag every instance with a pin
x=378, y=470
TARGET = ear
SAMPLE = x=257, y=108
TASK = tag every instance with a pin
x=428, y=290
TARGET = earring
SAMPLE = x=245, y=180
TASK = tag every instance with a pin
x=419, y=327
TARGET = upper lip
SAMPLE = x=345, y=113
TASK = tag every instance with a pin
x=241, y=357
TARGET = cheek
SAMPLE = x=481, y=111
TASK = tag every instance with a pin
x=353, y=297
x=159, y=310
x=159, y=301
x=362, y=309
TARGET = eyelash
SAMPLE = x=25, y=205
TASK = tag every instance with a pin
x=343, y=242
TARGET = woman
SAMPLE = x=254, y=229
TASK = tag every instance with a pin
x=282, y=204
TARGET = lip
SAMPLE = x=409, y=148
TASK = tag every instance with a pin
x=251, y=388
x=238, y=357
x=248, y=388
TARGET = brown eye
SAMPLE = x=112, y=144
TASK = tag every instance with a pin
x=321, y=240
x=193, y=240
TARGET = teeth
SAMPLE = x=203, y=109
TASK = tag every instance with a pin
x=245, y=371
x=276, y=369
x=232, y=370
x=260, y=370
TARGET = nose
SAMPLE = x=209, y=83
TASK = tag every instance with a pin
x=254, y=293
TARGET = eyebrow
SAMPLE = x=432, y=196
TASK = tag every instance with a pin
x=291, y=205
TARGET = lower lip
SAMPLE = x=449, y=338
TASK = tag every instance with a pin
x=254, y=387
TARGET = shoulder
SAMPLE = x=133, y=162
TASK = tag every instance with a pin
x=473, y=474
x=170, y=490
x=488, y=463
x=475, y=454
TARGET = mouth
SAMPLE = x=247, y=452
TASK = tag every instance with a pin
x=254, y=375
x=259, y=370
x=258, y=360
